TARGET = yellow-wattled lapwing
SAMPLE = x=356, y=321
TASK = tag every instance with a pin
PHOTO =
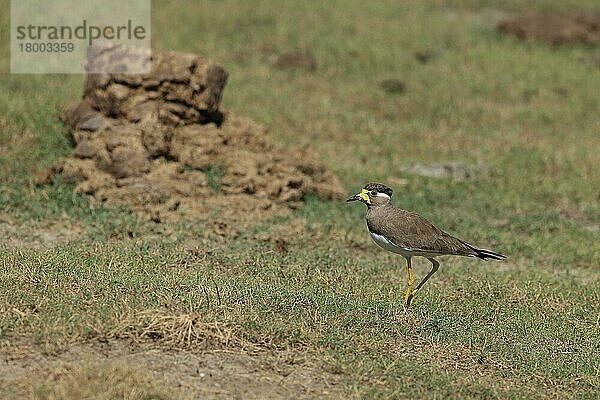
x=408, y=234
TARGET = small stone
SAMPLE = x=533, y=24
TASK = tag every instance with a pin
x=95, y=123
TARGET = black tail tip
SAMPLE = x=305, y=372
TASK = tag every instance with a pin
x=489, y=255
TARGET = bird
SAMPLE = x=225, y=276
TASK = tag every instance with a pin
x=408, y=234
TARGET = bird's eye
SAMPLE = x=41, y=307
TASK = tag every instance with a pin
x=373, y=192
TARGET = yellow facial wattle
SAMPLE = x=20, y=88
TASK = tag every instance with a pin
x=365, y=196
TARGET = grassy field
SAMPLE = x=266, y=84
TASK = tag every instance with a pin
x=526, y=328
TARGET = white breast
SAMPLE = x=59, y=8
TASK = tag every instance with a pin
x=384, y=242
x=387, y=244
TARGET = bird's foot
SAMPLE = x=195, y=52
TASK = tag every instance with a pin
x=409, y=298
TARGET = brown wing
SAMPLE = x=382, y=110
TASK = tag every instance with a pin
x=411, y=231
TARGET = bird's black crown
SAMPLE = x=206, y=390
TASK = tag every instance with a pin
x=379, y=188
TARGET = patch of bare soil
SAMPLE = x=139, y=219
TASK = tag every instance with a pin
x=392, y=85
x=454, y=170
x=159, y=144
x=554, y=29
x=38, y=235
x=303, y=60
x=154, y=373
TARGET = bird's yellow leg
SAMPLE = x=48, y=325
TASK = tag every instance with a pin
x=434, y=268
x=411, y=281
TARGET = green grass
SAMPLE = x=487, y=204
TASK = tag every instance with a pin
x=528, y=328
x=213, y=174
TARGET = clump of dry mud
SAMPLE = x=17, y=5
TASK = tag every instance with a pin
x=554, y=29
x=160, y=144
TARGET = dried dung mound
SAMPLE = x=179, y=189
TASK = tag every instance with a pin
x=160, y=144
x=554, y=29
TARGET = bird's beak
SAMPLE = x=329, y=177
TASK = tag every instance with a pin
x=356, y=197
x=362, y=196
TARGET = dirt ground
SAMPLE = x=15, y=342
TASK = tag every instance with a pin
x=183, y=375
x=33, y=235
x=554, y=29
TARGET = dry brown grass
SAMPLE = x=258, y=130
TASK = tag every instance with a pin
x=186, y=330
